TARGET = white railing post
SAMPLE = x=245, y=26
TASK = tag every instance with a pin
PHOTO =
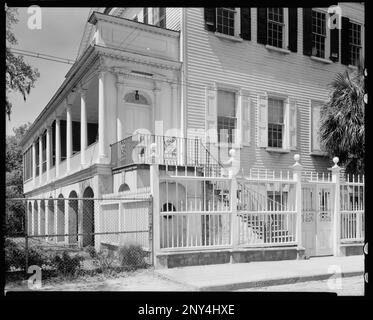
x=336, y=207
x=233, y=202
x=154, y=189
x=297, y=176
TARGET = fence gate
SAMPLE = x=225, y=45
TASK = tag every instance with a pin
x=317, y=221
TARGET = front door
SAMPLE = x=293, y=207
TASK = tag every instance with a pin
x=317, y=235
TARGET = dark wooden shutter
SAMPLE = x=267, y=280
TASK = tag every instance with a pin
x=162, y=17
x=145, y=14
x=293, y=29
x=345, y=52
x=210, y=19
x=334, y=43
x=262, y=26
x=307, y=31
x=246, y=23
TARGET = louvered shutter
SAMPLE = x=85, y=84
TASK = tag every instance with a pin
x=162, y=17
x=262, y=26
x=244, y=124
x=307, y=31
x=211, y=113
x=246, y=23
x=263, y=121
x=293, y=29
x=345, y=46
x=334, y=42
x=210, y=19
x=292, y=124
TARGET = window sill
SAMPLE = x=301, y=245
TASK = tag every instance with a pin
x=323, y=60
x=352, y=67
x=277, y=150
x=281, y=50
x=227, y=37
x=318, y=153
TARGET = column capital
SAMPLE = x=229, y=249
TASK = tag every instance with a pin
x=81, y=90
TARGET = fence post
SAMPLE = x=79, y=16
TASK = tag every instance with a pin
x=297, y=176
x=233, y=201
x=154, y=189
x=336, y=207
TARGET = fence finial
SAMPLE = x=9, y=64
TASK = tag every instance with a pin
x=335, y=160
x=296, y=159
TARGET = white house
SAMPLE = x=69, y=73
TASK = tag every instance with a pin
x=197, y=82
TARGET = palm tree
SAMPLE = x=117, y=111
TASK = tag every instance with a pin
x=342, y=130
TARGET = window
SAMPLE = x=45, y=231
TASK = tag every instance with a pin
x=27, y=164
x=225, y=20
x=275, y=123
x=154, y=16
x=355, y=43
x=37, y=156
x=227, y=120
x=275, y=27
x=318, y=34
x=44, y=150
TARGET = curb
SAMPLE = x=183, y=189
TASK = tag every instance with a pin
x=261, y=283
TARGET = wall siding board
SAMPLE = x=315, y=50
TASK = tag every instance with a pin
x=255, y=69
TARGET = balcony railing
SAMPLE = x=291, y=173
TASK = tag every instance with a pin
x=169, y=150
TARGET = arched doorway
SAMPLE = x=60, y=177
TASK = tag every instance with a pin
x=36, y=218
x=29, y=218
x=124, y=187
x=42, y=217
x=73, y=218
x=51, y=222
x=60, y=218
x=88, y=217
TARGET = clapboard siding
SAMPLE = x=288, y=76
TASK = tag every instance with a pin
x=253, y=67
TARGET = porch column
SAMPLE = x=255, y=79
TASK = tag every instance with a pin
x=297, y=175
x=68, y=137
x=40, y=158
x=83, y=126
x=58, y=146
x=174, y=107
x=48, y=152
x=156, y=92
x=101, y=116
x=120, y=91
x=34, y=162
x=336, y=207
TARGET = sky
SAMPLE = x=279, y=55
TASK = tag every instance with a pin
x=60, y=35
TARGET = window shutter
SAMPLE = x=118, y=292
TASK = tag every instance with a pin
x=245, y=104
x=334, y=43
x=210, y=19
x=262, y=25
x=263, y=121
x=307, y=31
x=293, y=29
x=162, y=17
x=145, y=14
x=246, y=23
x=345, y=52
x=316, y=112
x=292, y=124
x=211, y=114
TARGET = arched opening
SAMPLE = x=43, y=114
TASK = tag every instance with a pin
x=51, y=221
x=29, y=219
x=88, y=217
x=42, y=217
x=73, y=217
x=124, y=187
x=36, y=218
x=60, y=217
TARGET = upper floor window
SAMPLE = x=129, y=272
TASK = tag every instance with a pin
x=355, y=43
x=27, y=164
x=225, y=20
x=227, y=120
x=155, y=16
x=275, y=123
x=318, y=34
x=275, y=27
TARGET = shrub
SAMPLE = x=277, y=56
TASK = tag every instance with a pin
x=91, y=251
x=15, y=256
x=66, y=265
x=105, y=261
x=132, y=257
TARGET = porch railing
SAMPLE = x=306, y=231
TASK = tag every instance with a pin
x=169, y=150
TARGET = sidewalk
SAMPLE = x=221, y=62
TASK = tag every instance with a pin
x=221, y=277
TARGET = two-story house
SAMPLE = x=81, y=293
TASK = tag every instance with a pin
x=251, y=79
